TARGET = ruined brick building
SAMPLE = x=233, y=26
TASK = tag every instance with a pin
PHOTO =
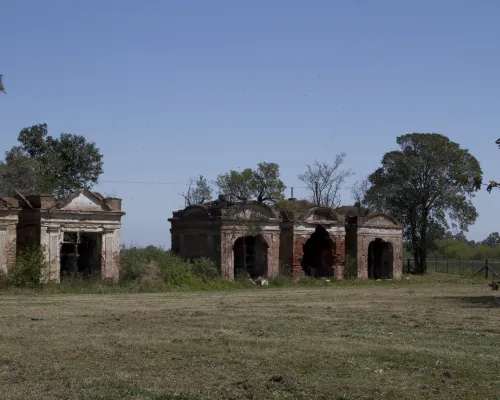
x=80, y=234
x=303, y=240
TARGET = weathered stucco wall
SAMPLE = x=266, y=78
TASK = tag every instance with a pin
x=8, y=245
x=229, y=235
x=9, y=216
x=366, y=235
x=51, y=237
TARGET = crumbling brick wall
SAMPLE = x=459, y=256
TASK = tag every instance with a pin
x=337, y=257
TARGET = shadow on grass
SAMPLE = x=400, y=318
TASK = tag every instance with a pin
x=476, y=301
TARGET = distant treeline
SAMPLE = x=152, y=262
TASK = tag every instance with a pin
x=458, y=247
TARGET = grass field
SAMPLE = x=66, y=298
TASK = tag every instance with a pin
x=409, y=340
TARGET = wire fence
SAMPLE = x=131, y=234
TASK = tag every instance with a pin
x=488, y=268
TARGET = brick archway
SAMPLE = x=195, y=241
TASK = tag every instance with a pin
x=318, y=254
x=380, y=259
x=250, y=255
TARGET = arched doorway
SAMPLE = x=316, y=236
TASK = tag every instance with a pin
x=318, y=255
x=380, y=260
x=250, y=256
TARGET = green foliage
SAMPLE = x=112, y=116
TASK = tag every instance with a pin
x=152, y=264
x=43, y=164
x=198, y=191
x=263, y=184
x=425, y=184
x=492, y=240
x=29, y=268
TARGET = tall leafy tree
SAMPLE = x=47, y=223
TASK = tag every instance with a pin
x=324, y=181
x=427, y=184
x=198, y=191
x=492, y=240
x=262, y=184
x=44, y=164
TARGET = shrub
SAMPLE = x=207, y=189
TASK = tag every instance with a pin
x=29, y=268
x=205, y=269
x=153, y=264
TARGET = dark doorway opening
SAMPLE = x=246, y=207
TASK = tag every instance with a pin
x=380, y=260
x=319, y=250
x=80, y=255
x=250, y=256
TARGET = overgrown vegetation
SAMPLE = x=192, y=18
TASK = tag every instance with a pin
x=28, y=270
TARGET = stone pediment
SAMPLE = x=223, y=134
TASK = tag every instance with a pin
x=195, y=212
x=319, y=215
x=82, y=200
x=380, y=221
x=250, y=212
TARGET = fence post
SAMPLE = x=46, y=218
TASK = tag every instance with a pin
x=486, y=268
x=408, y=264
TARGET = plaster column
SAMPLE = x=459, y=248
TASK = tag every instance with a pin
x=273, y=261
x=339, y=257
x=397, y=257
x=362, y=257
x=49, y=240
x=116, y=255
x=227, y=256
x=107, y=251
x=3, y=248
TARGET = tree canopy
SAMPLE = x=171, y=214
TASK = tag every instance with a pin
x=426, y=184
x=324, y=181
x=48, y=165
x=198, y=191
x=262, y=184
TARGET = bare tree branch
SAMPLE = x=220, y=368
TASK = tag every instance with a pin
x=198, y=191
x=359, y=190
x=325, y=181
x=2, y=88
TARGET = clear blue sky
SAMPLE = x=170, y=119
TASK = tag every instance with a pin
x=171, y=89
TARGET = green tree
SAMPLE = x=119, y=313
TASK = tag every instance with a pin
x=492, y=240
x=427, y=184
x=55, y=165
x=262, y=184
x=198, y=191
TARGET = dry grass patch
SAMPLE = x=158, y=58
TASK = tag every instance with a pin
x=395, y=341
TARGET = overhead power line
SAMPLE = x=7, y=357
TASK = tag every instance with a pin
x=181, y=184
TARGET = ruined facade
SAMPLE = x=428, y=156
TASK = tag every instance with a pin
x=80, y=234
x=264, y=241
x=9, y=214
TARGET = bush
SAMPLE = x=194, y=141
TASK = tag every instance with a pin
x=153, y=264
x=205, y=268
x=29, y=268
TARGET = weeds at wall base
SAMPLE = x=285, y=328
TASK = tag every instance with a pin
x=154, y=270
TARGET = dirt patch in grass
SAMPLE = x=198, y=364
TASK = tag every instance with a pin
x=343, y=342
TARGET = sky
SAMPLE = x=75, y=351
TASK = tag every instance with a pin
x=171, y=89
